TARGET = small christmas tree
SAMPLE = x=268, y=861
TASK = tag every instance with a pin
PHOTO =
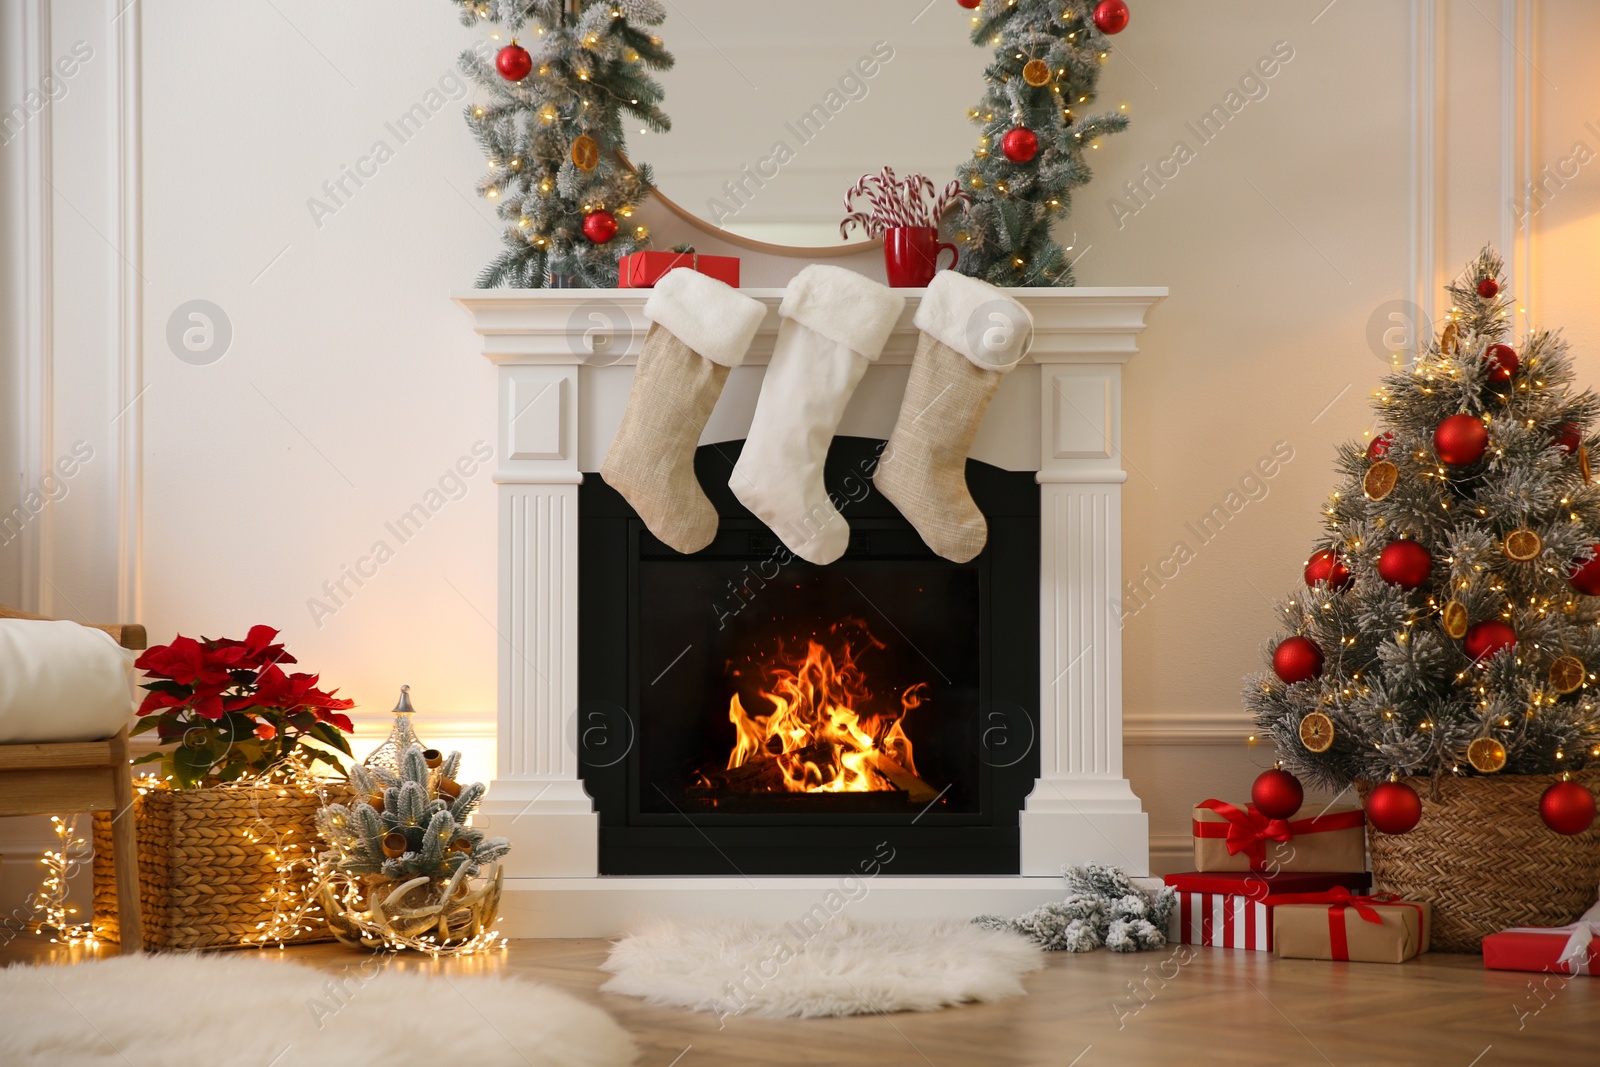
x=1034, y=133
x=566, y=73
x=1450, y=623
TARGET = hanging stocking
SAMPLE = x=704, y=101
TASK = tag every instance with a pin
x=972, y=334
x=835, y=323
x=699, y=329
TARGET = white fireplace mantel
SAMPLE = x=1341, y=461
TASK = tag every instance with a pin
x=565, y=370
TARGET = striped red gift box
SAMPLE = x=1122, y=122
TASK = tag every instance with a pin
x=1221, y=920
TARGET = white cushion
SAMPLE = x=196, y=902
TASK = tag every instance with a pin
x=62, y=682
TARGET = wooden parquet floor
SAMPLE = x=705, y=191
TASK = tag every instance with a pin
x=1182, y=1007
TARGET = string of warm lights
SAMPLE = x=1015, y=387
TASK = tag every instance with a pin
x=55, y=913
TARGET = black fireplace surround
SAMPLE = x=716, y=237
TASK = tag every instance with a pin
x=666, y=641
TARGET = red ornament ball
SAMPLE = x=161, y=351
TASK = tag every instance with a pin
x=1405, y=563
x=1567, y=808
x=1380, y=446
x=1020, y=145
x=1461, y=440
x=1568, y=438
x=1486, y=638
x=1297, y=659
x=600, y=226
x=1503, y=362
x=1585, y=577
x=1394, y=808
x=1325, y=566
x=513, y=62
x=969, y=4
x=1487, y=288
x=1111, y=16
x=1277, y=794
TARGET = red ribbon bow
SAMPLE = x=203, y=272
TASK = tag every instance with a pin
x=1248, y=831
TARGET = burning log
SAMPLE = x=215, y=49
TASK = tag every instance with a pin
x=920, y=792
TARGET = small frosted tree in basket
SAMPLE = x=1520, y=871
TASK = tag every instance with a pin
x=1450, y=622
x=1035, y=132
x=550, y=121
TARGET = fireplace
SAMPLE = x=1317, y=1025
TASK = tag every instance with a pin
x=575, y=746
x=743, y=711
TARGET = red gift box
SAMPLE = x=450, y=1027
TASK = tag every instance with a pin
x=1256, y=885
x=642, y=270
x=1540, y=948
x=1221, y=920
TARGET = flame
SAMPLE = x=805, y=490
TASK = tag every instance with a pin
x=815, y=733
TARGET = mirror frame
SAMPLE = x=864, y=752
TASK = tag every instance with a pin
x=750, y=243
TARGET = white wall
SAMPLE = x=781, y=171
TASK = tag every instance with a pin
x=1381, y=156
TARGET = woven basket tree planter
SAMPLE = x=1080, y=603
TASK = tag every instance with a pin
x=1484, y=859
x=206, y=863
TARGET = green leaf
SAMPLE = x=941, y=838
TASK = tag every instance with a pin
x=145, y=725
x=149, y=757
x=189, y=765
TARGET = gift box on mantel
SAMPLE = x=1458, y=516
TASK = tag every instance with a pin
x=1234, y=909
x=1570, y=949
x=1340, y=925
x=1227, y=838
x=642, y=270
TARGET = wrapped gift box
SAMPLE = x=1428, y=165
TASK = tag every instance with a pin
x=1258, y=884
x=1541, y=948
x=1337, y=925
x=643, y=270
x=1227, y=838
x=1234, y=909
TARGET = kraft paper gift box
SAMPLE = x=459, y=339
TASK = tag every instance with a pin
x=1337, y=925
x=1234, y=910
x=1227, y=838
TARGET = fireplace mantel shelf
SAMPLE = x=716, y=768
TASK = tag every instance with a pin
x=563, y=368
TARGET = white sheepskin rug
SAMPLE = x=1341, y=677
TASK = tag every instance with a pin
x=841, y=967
x=239, y=1010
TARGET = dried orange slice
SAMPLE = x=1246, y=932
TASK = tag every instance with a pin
x=1523, y=544
x=1450, y=339
x=1583, y=465
x=1316, y=732
x=1380, y=479
x=1454, y=618
x=1036, y=72
x=1567, y=673
x=1486, y=755
x=585, y=153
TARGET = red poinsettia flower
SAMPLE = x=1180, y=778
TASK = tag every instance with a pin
x=266, y=731
x=184, y=661
x=256, y=650
x=290, y=692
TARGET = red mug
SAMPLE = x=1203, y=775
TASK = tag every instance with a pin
x=911, y=254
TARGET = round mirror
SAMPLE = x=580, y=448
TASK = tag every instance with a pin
x=778, y=106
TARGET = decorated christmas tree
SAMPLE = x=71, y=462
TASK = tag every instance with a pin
x=550, y=122
x=1450, y=620
x=1036, y=130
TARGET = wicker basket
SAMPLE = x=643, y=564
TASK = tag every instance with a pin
x=201, y=877
x=1484, y=859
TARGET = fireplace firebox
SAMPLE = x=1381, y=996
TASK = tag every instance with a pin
x=743, y=711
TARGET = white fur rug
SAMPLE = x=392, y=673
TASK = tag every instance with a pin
x=242, y=1010
x=842, y=967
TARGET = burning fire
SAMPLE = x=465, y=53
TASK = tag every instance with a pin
x=817, y=737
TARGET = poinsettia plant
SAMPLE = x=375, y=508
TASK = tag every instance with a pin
x=225, y=709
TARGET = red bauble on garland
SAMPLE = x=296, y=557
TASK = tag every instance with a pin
x=969, y=4
x=1394, y=808
x=1325, y=566
x=1020, y=145
x=1461, y=440
x=600, y=226
x=1486, y=638
x=1567, y=808
x=1568, y=438
x=513, y=62
x=1380, y=446
x=1297, y=659
x=1487, y=288
x=1504, y=362
x=1277, y=794
x=1585, y=577
x=1111, y=16
x=1405, y=563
